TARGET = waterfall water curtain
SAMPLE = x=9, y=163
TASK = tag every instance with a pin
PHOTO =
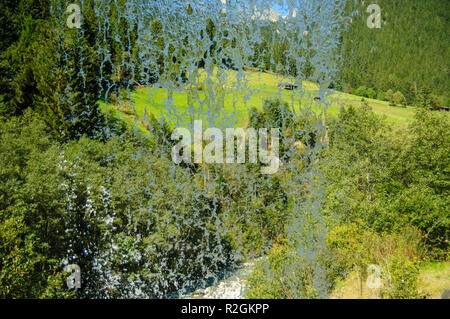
x=199, y=60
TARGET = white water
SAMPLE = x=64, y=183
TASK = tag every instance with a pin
x=232, y=286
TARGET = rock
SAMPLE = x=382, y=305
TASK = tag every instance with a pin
x=232, y=287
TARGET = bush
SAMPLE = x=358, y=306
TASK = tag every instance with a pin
x=387, y=184
x=399, y=99
x=266, y=281
x=361, y=91
x=355, y=247
x=365, y=92
x=381, y=96
x=32, y=228
x=401, y=280
x=424, y=98
x=277, y=113
x=436, y=103
x=283, y=275
x=371, y=94
x=256, y=222
x=390, y=97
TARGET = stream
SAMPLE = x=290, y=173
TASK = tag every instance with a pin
x=233, y=286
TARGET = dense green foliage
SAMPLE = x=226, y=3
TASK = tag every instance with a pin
x=386, y=203
x=73, y=202
x=39, y=66
x=113, y=206
x=409, y=53
x=79, y=186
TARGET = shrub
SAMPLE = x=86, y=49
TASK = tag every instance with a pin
x=436, y=103
x=355, y=247
x=257, y=118
x=381, y=96
x=278, y=113
x=266, y=281
x=365, y=92
x=371, y=94
x=256, y=222
x=424, y=98
x=283, y=275
x=401, y=280
x=113, y=98
x=124, y=95
x=361, y=91
x=347, y=247
x=399, y=99
x=390, y=97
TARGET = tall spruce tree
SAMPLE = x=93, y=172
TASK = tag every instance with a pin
x=54, y=72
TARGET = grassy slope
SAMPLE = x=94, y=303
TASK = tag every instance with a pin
x=434, y=278
x=263, y=86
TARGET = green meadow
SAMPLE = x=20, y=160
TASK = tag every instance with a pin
x=238, y=96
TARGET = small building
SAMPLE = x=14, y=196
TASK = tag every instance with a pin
x=287, y=86
x=444, y=108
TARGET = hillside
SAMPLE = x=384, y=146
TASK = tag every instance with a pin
x=265, y=85
x=409, y=53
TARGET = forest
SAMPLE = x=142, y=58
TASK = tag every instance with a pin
x=408, y=54
x=87, y=176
